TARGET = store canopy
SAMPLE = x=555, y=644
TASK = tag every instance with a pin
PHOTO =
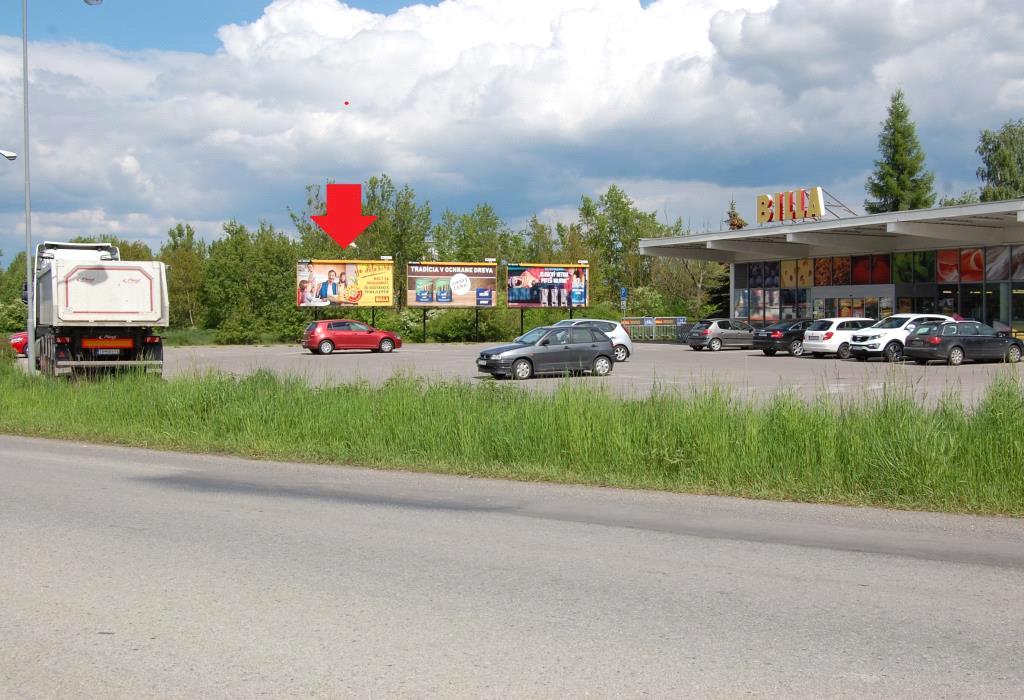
x=991, y=223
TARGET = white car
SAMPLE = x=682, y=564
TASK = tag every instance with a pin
x=621, y=341
x=831, y=336
x=887, y=337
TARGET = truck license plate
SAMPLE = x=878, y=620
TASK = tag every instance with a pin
x=106, y=351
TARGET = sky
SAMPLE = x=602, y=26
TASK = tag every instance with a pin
x=147, y=113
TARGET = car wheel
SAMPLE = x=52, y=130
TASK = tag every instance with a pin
x=769, y=353
x=621, y=353
x=715, y=345
x=843, y=353
x=920, y=361
x=796, y=348
x=893, y=352
x=818, y=355
x=387, y=345
x=1013, y=354
x=325, y=347
x=602, y=366
x=522, y=369
x=956, y=357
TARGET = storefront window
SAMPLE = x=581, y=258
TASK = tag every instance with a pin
x=787, y=270
x=819, y=308
x=822, y=272
x=972, y=265
x=739, y=276
x=997, y=306
x=1018, y=311
x=949, y=299
x=741, y=304
x=845, y=308
x=771, y=305
x=861, y=269
x=924, y=266
x=771, y=274
x=884, y=307
x=841, y=270
x=830, y=308
x=1017, y=262
x=858, y=307
x=880, y=269
x=905, y=305
x=756, y=275
x=805, y=272
x=971, y=301
x=756, y=305
x=903, y=268
x=802, y=308
x=947, y=266
x=788, y=303
x=871, y=307
x=997, y=264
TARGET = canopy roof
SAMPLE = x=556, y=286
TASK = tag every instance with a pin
x=990, y=223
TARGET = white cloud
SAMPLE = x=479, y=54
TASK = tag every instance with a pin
x=525, y=104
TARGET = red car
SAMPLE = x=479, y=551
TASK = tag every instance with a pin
x=324, y=337
x=19, y=342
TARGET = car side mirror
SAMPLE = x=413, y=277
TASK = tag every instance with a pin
x=545, y=342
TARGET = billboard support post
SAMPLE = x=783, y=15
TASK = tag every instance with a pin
x=424, y=325
x=373, y=316
x=477, y=325
x=522, y=314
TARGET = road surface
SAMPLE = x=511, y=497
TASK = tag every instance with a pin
x=129, y=573
x=747, y=373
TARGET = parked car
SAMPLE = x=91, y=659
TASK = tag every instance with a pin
x=324, y=337
x=887, y=337
x=718, y=333
x=613, y=329
x=550, y=350
x=832, y=336
x=19, y=342
x=785, y=335
x=956, y=341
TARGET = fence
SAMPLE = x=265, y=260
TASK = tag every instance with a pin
x=653, y=329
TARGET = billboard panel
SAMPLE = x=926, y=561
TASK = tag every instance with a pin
x=452, y=284
x=345, y=283
x=532, y=285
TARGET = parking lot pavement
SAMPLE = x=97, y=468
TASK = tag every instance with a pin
x=747, y=373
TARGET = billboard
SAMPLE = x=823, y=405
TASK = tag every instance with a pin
x=453, y=284
x=533, y=285
x=344, y=283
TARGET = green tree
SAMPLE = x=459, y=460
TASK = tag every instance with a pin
x=1002, y=162
x=540, y=241
x=185, y=257
x=968, y=197
x=736, y=222
x=899, y=181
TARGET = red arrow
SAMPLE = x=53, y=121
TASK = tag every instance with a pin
x=344, y=220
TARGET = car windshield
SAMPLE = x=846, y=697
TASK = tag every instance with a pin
x=701, y=325
x=820, y=326
x=891, y=322
x=532, y=337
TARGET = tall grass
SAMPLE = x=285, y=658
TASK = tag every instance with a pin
x=888, y=451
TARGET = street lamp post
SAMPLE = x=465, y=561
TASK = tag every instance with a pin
x=30, y=348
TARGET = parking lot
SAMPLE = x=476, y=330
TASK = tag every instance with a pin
x=747, y=373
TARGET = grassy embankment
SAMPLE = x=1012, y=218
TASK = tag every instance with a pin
x=889, y=452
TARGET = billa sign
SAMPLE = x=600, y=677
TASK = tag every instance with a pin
x=791, y=206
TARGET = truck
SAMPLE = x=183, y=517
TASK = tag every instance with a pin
x=97, y=313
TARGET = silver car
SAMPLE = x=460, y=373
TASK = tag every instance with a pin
x=550, y=350
x=718, y=333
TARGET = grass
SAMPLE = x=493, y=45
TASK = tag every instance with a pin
x=188, y=336
x=889, y=451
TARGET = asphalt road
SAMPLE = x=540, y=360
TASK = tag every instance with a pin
x=129, y=573
x=668, y=367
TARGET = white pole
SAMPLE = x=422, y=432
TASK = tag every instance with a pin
x=29, y=263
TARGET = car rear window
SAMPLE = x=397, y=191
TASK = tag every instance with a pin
x=606, y=327
x=311, y=327
x=784, y=326
x=927, y=329
x=820, y=326
x=701, y=325
x=949, y=329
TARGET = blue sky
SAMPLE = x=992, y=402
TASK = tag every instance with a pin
x=146, y=113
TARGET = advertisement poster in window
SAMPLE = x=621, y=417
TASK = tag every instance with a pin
x=756, y=305
x=845, y=308
x=819, y=308
x=451, y=284
x=532, y=285
x=947, y=266
x=997, y=263
x=884, y=307
x=805, y=272
x=972, y=265
x=880, y=269
x=788, y=270
x=903, y=269
x=756, y=273
x=771, y=305
x=841, y=270
x=822, y=272
x=741, y=304
x=924, y=266
x=771, y=274
x=861, y=265
x=333, y=283
x=1017, y=262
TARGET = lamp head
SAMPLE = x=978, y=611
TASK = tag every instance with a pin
x=8, y=155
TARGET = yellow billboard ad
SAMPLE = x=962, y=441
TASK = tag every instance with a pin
x=345, y=283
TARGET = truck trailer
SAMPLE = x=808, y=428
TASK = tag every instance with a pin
x=97, y=313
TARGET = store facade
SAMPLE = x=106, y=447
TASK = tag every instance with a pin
x=966, y=260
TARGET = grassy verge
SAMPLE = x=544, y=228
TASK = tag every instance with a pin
x=188, y=336
x=889, y=452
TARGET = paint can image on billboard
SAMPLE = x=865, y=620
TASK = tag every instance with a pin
x=344, y=283
x=560, y=286
x=463, y=285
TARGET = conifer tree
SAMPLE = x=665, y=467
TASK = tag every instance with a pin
x=900, y=181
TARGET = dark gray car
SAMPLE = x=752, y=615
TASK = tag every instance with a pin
x=550, y=350
x=718, y=333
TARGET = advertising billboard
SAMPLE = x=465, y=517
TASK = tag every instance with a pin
x=452, y=284
x=533, y=285
x=345, y=283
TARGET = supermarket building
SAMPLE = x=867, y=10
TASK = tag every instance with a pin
x=966, y=260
